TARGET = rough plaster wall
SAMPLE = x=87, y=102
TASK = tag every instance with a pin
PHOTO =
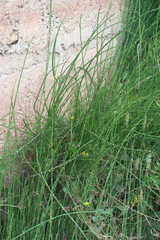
x=20, y=20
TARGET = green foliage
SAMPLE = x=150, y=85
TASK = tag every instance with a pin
x=93, y=150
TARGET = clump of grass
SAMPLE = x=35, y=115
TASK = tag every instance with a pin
x=93, y=156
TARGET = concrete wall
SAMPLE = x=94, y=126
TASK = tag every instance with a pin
x=19, y=21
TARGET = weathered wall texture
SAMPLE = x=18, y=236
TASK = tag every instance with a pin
x=20, y=20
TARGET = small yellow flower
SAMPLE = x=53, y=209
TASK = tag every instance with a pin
x=85, y=154
x=86, y=204
x=72, y=117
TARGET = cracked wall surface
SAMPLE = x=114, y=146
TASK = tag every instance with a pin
x=20, y=20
